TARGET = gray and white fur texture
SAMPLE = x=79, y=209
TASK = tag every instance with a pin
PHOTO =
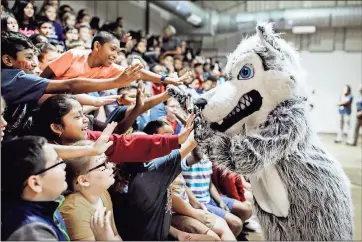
x=257, y=124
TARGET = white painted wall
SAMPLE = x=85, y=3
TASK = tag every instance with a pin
x=332, y=59
x=328, y=73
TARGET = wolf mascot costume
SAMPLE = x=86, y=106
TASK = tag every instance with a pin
x=257, y=124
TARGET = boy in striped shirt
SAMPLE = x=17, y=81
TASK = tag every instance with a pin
x=198, y=179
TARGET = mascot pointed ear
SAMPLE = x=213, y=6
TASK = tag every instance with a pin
x=267, y=36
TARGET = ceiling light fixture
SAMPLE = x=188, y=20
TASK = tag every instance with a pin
x=194, y=19
x=303, y=29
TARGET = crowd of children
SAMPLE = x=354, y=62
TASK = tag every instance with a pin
x=93, y=148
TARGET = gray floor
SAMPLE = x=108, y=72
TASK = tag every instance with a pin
x=351, y=159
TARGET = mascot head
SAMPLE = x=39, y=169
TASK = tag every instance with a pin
x=263, y=71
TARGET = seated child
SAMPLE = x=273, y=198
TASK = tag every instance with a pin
x=189, y=217
x=128, y=110
x=32, y=181
x=60, y=119
x=146, y=214
x=22, y=90
x=88, y=179
x=198, y=179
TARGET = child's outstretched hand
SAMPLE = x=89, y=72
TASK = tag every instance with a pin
x=131, y=73
x=103, y=143
x=185, y=132
x=101, y=101
x=140, y=98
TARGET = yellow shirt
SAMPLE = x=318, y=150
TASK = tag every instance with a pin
x=77, y=212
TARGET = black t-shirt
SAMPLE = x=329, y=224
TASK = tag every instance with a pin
x=146, y=208
x=19, y=118
x=21, y=92
x=27, y=29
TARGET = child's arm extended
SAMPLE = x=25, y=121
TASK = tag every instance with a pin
x=97, y=148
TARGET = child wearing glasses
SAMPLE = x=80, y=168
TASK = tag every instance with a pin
x=88, y=179
x=33, y=179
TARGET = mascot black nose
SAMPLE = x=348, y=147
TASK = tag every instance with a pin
x=201, y=103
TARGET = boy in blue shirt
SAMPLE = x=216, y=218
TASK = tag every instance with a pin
x=22, y=90
x=33, y=179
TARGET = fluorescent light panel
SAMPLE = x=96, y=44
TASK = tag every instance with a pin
x=303, y=29
x=194, y=19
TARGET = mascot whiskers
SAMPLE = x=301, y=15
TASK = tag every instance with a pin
x=257, y=124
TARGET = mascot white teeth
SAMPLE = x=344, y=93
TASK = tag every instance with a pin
x=257, y=124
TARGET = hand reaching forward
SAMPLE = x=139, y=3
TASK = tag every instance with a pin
x=101, y=101
x=131, y=73
x=140, y=98
x=103, y=143
x=176, y=81
x=185, y=132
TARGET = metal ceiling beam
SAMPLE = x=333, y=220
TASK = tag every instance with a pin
x=214, y=22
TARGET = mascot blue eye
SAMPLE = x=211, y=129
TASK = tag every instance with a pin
x=246, y=72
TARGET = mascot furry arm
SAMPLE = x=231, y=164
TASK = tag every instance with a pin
x=257, y=124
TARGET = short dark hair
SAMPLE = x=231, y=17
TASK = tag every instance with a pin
x=44, y=48
x=84, y=25
x=197, y=65
x=17, y=167
x=103, y=37
x=36, y=38
x=56, y=42
x=94, y=23
x=12, y=43
x=81, y=14
x=64, y=6
x=167, y=55
x=153, y=126
x=127, y=88
x=211, y=78
x=40, y=20
x=67, y=29
x=51, y=111
x=153, y=65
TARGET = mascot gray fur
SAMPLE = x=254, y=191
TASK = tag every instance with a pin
x=257, y=124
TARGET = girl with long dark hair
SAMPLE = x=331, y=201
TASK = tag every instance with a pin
x=24, y=14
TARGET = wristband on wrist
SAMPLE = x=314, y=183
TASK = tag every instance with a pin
x=163, y=78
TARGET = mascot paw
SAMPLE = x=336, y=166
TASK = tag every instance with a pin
x=180, y=95
x=204, y=135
